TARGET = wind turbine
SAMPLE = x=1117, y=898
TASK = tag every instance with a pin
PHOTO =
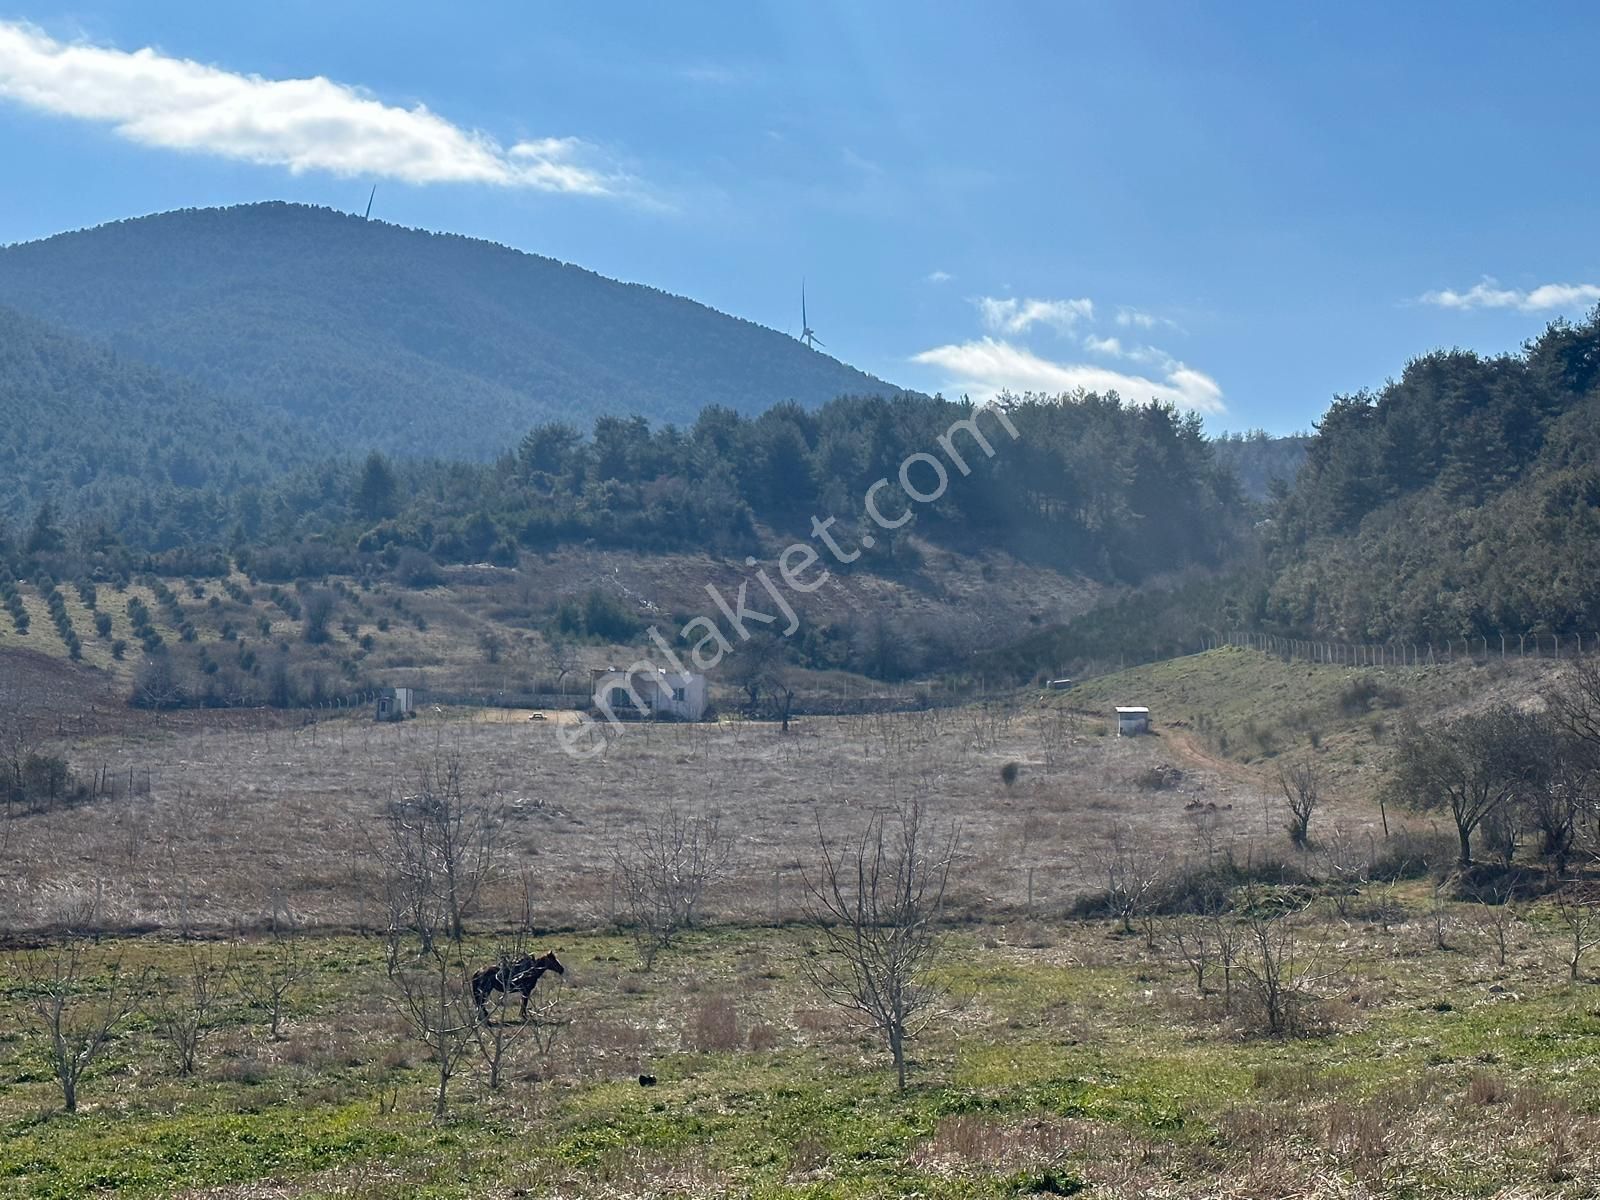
x=367, y=216
x=806, y=335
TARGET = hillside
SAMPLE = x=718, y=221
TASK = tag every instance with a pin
x=116, y=434
x=373, y=335
x=1461, y=500
x=476, y=631
x=1261, y=460
x=1248, y=712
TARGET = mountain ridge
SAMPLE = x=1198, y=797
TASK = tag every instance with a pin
x=364, y=330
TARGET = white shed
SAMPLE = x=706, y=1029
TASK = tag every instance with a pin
x=1132, y=720
x=650, y=693
x=394, y=704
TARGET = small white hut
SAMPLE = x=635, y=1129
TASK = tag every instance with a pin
x=1132, y=720
x=394, y=704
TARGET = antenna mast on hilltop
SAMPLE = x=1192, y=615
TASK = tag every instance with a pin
x=367, y=216
x=806, y=335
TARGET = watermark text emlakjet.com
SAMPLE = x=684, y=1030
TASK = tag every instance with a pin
x=923, y=478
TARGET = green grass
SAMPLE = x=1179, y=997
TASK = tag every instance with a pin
x=1081, y=1058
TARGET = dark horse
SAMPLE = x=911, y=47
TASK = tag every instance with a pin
x=521, y=975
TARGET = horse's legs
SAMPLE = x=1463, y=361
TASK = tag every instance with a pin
x=527, y=994
x=480, y=997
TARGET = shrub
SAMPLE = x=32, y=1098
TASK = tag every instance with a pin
x=40, y=782
x=1158, y=778
x=318, y=610
x=1210, y=888
x=598, y=615
x=715, y=1027
x=415, y=569
x=1364, y=694
x=1409, y=855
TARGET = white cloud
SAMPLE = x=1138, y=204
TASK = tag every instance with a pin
x=986, y=367
x=1017, y=316
x=1103, y=345
x=302, y=124
x=1489, y=294
x=938, y=277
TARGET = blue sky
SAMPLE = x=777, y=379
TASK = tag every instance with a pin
x=1242, y=208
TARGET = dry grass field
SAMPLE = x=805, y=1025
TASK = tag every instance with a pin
x=1440, y=1047
x=233, y=812
x=232, y=818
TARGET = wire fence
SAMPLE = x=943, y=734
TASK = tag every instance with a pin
x=1406, y=653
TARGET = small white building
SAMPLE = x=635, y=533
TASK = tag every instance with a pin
x=637, y=692
x=1132, y=720
x=394, y=704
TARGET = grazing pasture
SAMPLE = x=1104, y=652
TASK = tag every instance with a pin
x=1141, y=987
x=1071, y=1057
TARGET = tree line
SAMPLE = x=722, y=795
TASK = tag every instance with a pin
x=1093, y=484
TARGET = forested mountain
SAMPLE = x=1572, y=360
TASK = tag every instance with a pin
x=83, y=424
x=330, y=395
x=374, y=336
x=1259, y=459
x=1460, y=501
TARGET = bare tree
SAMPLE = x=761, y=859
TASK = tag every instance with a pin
x=442, y=849
x=156, y=684
x=1581, y=921
x=1191, y=938
x=1556, y=802
x=1348, y=866
x=663, y=870
x=433, y=998
x=1133, y=871
x=1574, y=706
x=761, y=669
x=564, y=660
x=1277, y=966
x=440, y=852
x=1228, y=937
x=187, y=1008
x=75, y=1009
x=1498, y=901
x=270, y=985
x=875, y=906
x=1301, y=784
